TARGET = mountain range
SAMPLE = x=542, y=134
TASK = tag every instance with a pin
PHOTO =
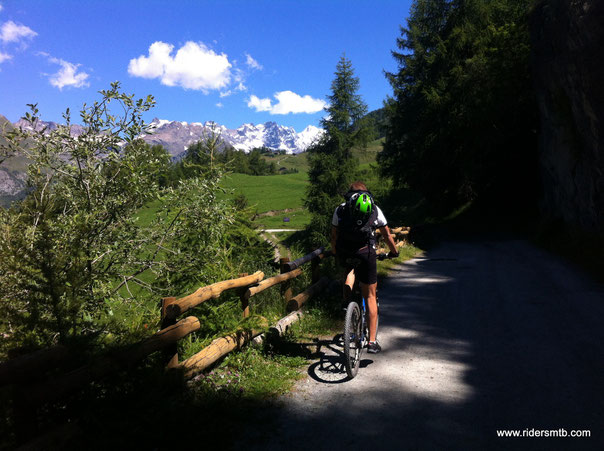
x=175, y=136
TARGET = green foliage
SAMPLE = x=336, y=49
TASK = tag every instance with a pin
x=332, y=165
x=76, y=261
x=250, y=374
x=463, y=117
x=378, y=119
x=211, y=150
x=67, y=242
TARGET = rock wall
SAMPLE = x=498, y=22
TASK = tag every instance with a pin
x=568, y=65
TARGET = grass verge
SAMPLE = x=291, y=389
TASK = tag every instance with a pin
x=406, y=252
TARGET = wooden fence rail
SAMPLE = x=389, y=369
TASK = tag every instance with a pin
x=267, y=283
x=302, y=260
x=177, y=307
x=218, y=349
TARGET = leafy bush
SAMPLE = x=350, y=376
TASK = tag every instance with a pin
x=75, y=262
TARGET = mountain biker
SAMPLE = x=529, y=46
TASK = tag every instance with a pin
x=353, y=242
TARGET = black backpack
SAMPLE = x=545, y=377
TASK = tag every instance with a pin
x=355, y=232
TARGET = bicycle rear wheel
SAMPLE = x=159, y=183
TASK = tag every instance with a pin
x=353, y=346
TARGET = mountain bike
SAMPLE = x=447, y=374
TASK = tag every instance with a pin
x=356, y=328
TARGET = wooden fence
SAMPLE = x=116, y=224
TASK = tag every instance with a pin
x=27, y=374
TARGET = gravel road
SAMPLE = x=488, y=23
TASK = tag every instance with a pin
x=476, y=336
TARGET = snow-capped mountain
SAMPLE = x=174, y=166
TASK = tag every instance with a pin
x=176, y=137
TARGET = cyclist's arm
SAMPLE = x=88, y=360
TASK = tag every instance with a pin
x=385, y=231
x=334, y=238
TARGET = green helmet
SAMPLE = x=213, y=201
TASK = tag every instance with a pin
x=362, y=204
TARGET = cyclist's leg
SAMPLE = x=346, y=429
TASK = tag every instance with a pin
x=369, y=293
x=347, y=287
x=348, y=278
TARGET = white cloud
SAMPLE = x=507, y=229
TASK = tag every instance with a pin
x=13, y=32
x=67, y=75
x=287, y=102
x=259, y=104
x=194, y=66
x=251, y=62
x=240, y=87
x=4, y=57
x=219, y=105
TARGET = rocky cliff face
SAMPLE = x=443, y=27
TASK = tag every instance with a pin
x=568, y=62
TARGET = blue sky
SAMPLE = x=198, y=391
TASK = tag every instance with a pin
x=231, y=62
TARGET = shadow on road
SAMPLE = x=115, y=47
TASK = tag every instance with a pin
x=329, y=369
x=477, y=337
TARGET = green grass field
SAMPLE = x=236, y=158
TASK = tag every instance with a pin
x=269, y=192
x=297, y=220
x=280, y=192
x=298, y=161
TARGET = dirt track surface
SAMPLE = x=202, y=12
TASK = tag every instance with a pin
x=476, y=336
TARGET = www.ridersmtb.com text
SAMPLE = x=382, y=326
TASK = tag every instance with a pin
x=543, y=433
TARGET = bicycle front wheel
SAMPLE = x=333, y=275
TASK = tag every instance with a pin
x=353, y=345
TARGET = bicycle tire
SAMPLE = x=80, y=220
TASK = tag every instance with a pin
x=353, y=347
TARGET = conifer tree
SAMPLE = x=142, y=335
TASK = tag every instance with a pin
x=332, y=165
x=463, y=116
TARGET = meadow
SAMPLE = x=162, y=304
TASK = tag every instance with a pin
x=268, y=193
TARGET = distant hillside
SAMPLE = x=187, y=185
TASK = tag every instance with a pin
x=380, y=122
x=12, y=171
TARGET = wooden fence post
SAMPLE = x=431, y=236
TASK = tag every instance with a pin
x=286, y=289
x=245, y=302
x=171, y=351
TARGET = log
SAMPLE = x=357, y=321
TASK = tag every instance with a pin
x=396, y=231
x=308, y=257
x=161, y=339
x=216, y=350
x=57, y=388
x=298, y=301
x=182, y=305
x=32, y=365
x=271, y=281
x=283, y=324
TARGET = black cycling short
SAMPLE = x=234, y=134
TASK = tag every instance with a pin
x=363, y=262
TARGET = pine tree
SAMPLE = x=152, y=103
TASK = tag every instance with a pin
x=332, y=165
x=463, y=115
